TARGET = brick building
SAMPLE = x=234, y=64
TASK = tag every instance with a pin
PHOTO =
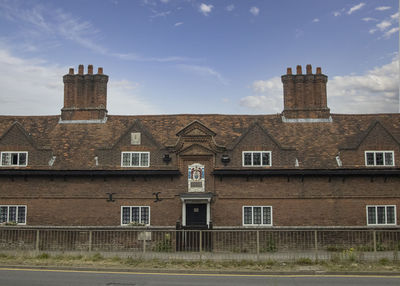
x=304, y=167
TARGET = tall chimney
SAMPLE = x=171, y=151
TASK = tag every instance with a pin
x=85, y=96
x=305, y=95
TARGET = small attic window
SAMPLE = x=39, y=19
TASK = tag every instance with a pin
x=379, y=158
x=135, y=138
x=14, y=159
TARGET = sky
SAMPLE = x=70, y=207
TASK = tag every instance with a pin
x=189, y=56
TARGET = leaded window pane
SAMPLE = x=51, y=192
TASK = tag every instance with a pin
x=21, y=215
x=12, y=214
x=126, y=215
x=126, y=159
x=247, y=159
x=3, y=214
x=257, y=215
x=371, y=215
x=135, y=159
x=389, y=159
x=144, y=211
x=144, y=158
x=247, y=215
x=381, y=215
x=265, y=159
x=379, y=158
x=22, y=159
x=135, y=214
x=6, y=159
x=256, y=159
x=390, y=215
x=266, y=215
x=370, y=159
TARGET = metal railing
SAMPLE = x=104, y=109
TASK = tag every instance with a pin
x=252, y=244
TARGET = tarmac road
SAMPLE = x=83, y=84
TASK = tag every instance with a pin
x=17, y=277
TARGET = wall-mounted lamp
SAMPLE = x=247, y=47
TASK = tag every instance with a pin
x=225, y=159
x=167, y=158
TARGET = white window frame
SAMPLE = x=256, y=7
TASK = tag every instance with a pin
x=384, y=161
x=8, y=213
x=376, y=215
x=11, y=165
x=252, y=216
x=261, y=152
x=130, y=214
x=140, y=159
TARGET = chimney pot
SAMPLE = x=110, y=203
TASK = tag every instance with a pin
x=319, y=70
x=80, y=69
x=100, y=70
x=289, y=71
x=309, y=69
x=298, y=70
x=90, y=69
x=71, y=70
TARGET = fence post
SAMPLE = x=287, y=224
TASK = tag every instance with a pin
x=90, y=240
x=200, y=242
x=316, y=245
x=258, y=244
x=144, y=242
x=37, y=240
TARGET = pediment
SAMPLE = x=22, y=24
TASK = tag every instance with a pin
x=196, y=150
x=196, y=128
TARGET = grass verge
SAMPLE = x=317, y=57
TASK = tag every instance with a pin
x=98, y=261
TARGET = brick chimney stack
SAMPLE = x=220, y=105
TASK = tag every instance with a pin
x=305, y=95
x=85, y=96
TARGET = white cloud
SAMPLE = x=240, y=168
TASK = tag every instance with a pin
x=355, y=8
x=395, y=16
x=316, y=20
x=337, y=13
x=254, y=10
x=230, y=8
x=178, y=24
x=164, y=1
x=205, y=9
x=389, y=33
x=383, y=25
x=383, y=8
x=35, y=87
x=377, y=90
x=203, y=71
x=139, y=58
x=371, y=31
x=369, y=19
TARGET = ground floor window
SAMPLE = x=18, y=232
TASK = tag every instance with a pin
x=135, y=215
x=257, y=215
x=13, y=214
x=381, y=215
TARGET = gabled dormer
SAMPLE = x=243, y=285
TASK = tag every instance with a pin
x=19, y=149
x=375, y=147
x=136, y=147
x=256, y=148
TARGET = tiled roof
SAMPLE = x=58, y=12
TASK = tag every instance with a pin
x=317, y=144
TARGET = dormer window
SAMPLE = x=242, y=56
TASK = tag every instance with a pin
x=379, y=158
x=135, y=159
x=14, y=159
x=256, y=158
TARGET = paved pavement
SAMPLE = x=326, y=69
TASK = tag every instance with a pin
x=45, y=277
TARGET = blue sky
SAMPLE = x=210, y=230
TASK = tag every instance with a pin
x=189, y=56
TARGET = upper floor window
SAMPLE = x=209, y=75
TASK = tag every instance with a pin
x=135, y=159
x=135, y=215
x=13, y=214
x=381, y=215
x=257, y=215
x=379, y=158
x=14, y=159
x=256, y=158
